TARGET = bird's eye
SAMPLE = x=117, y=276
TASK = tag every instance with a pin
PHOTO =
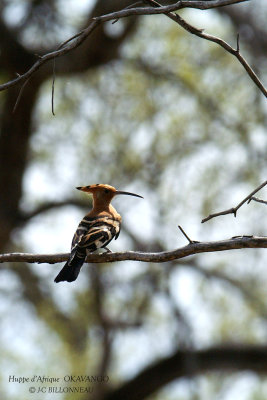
x=106, y=190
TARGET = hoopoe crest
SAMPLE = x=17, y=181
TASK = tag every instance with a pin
x=96, y=230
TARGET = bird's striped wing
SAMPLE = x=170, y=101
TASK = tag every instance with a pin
x=94, y=233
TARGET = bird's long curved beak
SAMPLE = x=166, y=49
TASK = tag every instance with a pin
x=128, y=193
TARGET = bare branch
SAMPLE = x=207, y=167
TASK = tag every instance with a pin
x=156, y=8
x=53, y=87
x=159, y=257
x=237, y=43
x=54, y=54
x=257, y=200
x=186, y=236
x=220, y=42
x=233, y=210
x=25, y=217
x=187, y=363
x=20, y=94
x=192, y=264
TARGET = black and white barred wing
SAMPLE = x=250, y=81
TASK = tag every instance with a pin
x=94, y=233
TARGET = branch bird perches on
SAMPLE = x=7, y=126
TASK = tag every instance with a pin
x=192, y=248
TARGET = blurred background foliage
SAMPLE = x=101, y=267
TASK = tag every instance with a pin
x=170, y=117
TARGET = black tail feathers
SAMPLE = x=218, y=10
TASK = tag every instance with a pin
x=71, y=269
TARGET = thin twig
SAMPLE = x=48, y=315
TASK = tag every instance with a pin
x=257, y=200
x=20, y=94
x=53, y=86
x=237, y=43
x=63, y=44
x=187, y=237
x=159, y=257
x=233, y=210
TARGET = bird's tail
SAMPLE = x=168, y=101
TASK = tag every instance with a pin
x=71, y=269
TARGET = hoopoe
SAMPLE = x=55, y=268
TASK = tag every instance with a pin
x=95, y=231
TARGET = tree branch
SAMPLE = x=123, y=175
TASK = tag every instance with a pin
x=257, y=200
x=156, y=8
x=189, y=363
x=58, y=53
x=241, y=242
x=199, y=32
x=233, y=210
x=42, y=208
x=243, y=287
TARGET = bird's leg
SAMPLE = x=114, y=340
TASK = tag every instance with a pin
x=87, y=251
x=107, y=250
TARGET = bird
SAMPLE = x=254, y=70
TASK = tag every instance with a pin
x=96, y=229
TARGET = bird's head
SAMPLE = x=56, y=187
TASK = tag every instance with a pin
x=103, y=193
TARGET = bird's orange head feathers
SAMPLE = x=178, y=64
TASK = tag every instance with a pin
x=104, y=193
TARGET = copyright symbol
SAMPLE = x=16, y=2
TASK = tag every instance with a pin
x=32, y=389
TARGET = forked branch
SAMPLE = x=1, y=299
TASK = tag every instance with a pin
x=200, y=33
x=156, y=8
x=257, y=200
x=233, y=210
